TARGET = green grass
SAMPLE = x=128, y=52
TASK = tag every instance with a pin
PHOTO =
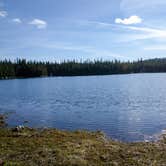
x=30, y=147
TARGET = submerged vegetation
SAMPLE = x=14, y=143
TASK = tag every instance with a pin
x=24, y=69
x=23, y=146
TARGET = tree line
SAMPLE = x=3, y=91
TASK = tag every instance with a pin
x=21, y=68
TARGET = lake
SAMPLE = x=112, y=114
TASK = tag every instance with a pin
x=125, y=107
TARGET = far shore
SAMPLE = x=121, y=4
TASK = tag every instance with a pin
x=65, y=76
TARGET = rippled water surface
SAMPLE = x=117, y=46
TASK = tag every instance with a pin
x=126, y=107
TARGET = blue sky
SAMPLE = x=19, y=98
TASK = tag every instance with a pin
x=82, y=29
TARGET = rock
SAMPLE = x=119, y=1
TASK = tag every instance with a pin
x=18, y=128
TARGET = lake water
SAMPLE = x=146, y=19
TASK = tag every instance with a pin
x=125, y=107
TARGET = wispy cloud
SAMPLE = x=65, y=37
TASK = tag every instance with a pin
x=40, y=24
x=156, y=48
x=3, y=14
x=17, y=20
x=63, y=46
x=96, y=52
x=128, y=33
x=129, y=21
x=141, y=6
x=96, y=23
x=146, y=29
x=131, y=33
x=149, y=32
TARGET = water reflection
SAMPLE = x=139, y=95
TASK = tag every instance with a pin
x=125, y=107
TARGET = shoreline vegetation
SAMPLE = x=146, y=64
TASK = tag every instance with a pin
x=22, y=146
x=21, y=68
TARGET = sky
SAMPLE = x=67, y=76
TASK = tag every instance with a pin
x=50, y=30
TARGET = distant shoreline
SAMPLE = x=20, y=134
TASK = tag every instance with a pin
x=33, y=69
x=63, y=76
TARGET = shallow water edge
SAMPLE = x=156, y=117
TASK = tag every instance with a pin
x=27, y=146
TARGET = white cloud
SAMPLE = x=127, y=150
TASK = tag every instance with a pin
x=40, y=24
x=17, y=20
x=129, y=21
x=3, y=14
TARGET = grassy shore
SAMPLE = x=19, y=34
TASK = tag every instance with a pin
x=28, y=147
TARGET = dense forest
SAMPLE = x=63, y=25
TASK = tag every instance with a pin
x=24, y=69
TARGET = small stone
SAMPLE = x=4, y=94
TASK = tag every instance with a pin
x=18, y=128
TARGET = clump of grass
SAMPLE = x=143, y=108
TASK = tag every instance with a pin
x=54, y=147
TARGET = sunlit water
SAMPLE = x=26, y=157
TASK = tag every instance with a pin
x=125, y=107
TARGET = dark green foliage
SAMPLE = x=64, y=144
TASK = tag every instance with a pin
x=24, y=69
